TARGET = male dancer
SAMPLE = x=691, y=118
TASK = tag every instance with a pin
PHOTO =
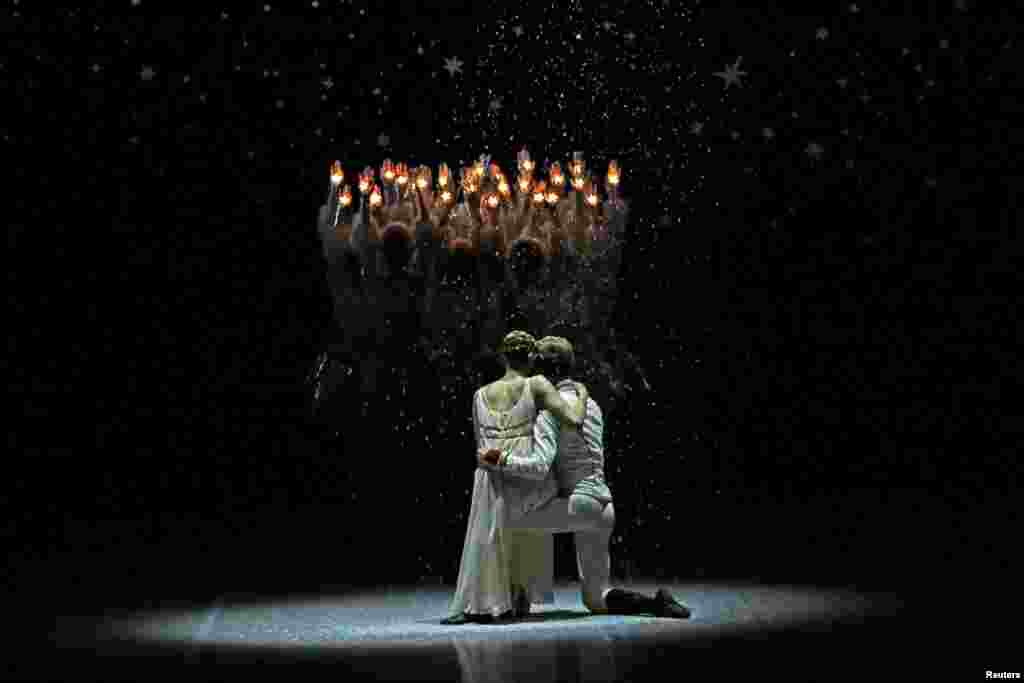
x=584, y=505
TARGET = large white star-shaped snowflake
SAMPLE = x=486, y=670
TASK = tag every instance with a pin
x=732, y=74
x=495, y=105
x=518, y=30
x=453, y=65
x=148, y=73
x=630, y=37
x=328, y=83
x=821, y=33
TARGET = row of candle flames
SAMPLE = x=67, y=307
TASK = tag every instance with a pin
x=472, y=178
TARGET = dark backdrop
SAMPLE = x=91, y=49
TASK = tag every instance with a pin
x=828, y=338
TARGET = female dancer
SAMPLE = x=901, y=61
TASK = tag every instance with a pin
x=503, y=416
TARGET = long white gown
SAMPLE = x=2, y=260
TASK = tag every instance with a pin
x=495, y=559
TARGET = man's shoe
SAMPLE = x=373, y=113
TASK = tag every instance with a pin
x=667, y=607
x=625, y=602
x=456, y=620
x=462, y=619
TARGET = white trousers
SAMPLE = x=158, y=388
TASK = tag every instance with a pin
x=591, y=522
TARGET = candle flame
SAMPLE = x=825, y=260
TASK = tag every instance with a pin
x=346, y=196
x=337, y=174
x=503, y=187
x=375, y=196
x=552, y=197
x=577, y=183
x=556, y=174
x=613, y=172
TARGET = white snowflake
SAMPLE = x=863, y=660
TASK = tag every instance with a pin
x=453, y=65
x=630, y=37
x=495, y=105
x=732, y=74
x=376, y=91
x=328, y=83
x=419, y=50
x=383, y=140
x=814, y=150
x=518, y=30
x=842, y=82
x=768, y=133
x=854, y=9
x=148, y=73
x=821, y=33
x=608, y=25
x=696, y=127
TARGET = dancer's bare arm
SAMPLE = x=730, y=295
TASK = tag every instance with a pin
x=550, y=399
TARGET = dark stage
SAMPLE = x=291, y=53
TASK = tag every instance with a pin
x=856, y=585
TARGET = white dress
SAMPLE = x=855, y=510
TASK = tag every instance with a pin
x=493, y=558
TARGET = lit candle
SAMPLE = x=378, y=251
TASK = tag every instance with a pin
x=344, y=203
x=469, y=180
x=576, y=166
x=375, y=197
x=503, y=188
x=337, y=175
x=557, y=179
x=387, y=175
x=539, y=193
x=613, y=181
x=524, y=183
x=576, y=171
x=442, y=176
x=401, y=176
x=525, y=163
x=366, y=180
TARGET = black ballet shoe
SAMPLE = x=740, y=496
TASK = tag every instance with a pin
x=466, y=618
x=456, y=620
x=666, y=606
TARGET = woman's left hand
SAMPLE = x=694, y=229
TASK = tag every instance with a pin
x=488, y=457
